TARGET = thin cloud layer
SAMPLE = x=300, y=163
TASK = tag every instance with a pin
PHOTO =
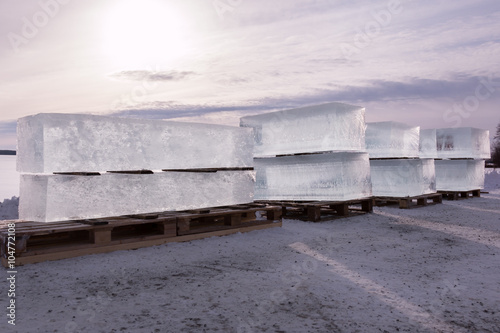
x=143, y=75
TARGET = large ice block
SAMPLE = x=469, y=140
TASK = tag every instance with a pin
x=76, y=142
x=459, y=175
x=328, y=176
x=325, y=127
x=428, y=143
x=47, y=198
x=403, y=177
x=391, y=139
x=463, y=142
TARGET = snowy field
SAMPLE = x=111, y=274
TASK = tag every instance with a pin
x=432, y=269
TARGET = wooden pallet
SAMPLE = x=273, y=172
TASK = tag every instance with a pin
x=37, y=241
x=409, y=202
x=316, y=211
x=207, y=220
x=455, y=195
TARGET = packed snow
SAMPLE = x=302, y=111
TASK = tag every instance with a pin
x=432, y=269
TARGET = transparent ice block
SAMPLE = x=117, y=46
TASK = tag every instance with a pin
x=328, y=176
x=403, y=177
x=463, y=142
x=428, y=143
x=391, y=139
x=459, y=175
x=326, y=127
x=75, y=142
x=47, y=198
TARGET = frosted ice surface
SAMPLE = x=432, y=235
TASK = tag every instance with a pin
x=391, y=139
x=47, y=198
x=326, y=127
x=403, y=177
x=459, y=175
x=463, y=142
x=75, y=142
x=328, y=176
x=428, y=143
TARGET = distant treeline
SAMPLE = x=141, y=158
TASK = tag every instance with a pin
x=7, y=152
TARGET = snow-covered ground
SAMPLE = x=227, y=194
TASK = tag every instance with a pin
x=432, y=269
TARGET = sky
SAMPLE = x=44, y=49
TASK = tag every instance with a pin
x=428, y=63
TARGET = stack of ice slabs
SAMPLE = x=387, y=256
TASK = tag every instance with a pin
x=392, y=140
x=47, y=198
x=326, y=127
x=80, y=143
x=74, y=142
x=403, y=177
x=428, y=143
x=459, y=175
x=463, y=142
x=328, y=176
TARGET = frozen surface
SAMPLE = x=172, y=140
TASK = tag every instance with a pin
x=326, y=127
x=9, y=178
x=463, y=142
x=427, y=147
x=459, y=175
x=47, y=198
x=329, y=176
x=426, y=270
x=391, y=139
x=403, y=177
x=75, y=142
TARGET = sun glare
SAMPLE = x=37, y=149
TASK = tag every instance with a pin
x=140, y=33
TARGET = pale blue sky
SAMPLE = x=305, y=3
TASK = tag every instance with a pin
x=427, y=63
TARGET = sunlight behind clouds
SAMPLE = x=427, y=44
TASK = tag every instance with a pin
x=138, y=33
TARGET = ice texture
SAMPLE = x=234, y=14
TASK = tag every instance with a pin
x=48, y=198
x=403, y=177
x=325, y=127
x=391, y=139
x=459, y=175
x=463, y=142
x=428, y=143
x=75, y=142
x=328, y=176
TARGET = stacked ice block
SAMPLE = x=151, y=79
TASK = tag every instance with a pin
x=311, y=153
x=325, y=127
x=396, y=169
x=328, y=176
x=463, y=142
x=462, y=152
x=391, y=139
x=203, y=166
x=459, y=175
x=428, y=143
x=403, y=177
x=75, y=142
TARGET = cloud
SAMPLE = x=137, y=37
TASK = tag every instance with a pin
x=144, y=75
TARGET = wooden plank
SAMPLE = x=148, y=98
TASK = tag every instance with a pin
x=211, y=170
x=134, y=245
x=134, y=172
x=78, y=173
